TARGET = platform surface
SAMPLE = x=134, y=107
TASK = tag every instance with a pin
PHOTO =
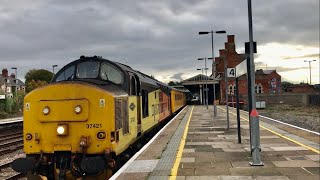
x=210, y=151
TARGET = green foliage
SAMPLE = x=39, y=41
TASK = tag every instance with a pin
x=39, y=75
x=34, y=84
x=18, y=102
x=285, y=85
x=172, y=83
x=10, y=106
x=36, y=78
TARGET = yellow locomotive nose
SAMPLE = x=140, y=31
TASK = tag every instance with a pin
x=71, y=115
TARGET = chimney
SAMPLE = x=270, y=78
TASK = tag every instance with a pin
x=13, y=75
x=230, y=38
x=222, y=52
x=5, y=72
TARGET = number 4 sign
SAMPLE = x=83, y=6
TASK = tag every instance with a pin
x=231, y=72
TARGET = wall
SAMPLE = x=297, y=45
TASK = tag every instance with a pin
x=286, y=98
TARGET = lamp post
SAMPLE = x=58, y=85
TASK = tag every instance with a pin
x=15, y=69
x=201, y=89
x=53, y=66
x=213, y=67
x=309, y=67
x=206, y=89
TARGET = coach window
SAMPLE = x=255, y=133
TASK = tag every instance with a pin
x=145, y=110
x=111, y=73
x=133, y=86
x=67, y=74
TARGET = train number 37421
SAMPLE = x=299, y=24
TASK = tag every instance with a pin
x=89, y=126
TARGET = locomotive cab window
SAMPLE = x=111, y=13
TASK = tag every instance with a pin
x=110, y=73
x=86, y=70
x=67, y=74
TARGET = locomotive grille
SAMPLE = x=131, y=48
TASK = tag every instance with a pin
x=122, y=118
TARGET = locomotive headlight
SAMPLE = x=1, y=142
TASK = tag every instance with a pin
x=62, y=129
x=46, y=110
x=77, y=109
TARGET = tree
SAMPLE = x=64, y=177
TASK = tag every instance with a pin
x=171, y=83
x=285, y=85
x=39, y=75
x=31, y=85
x=36, y=78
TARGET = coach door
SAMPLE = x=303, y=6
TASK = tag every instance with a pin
x=135, y=91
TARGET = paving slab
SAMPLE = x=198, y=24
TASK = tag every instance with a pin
x=313, y=157
x=289, y=148
x=213, y=171
x=202, y=178
x=296, y=163
x=293, y=171
x=235, y=177
x=271, y=177
x=256, y=171
x=142, y=166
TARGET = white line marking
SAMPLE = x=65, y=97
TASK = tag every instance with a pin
x=125, y=166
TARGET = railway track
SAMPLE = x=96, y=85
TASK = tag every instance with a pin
x=11, y=141
x=7, y=173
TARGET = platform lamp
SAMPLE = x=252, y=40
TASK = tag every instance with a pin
x=309, y=67
x=201, y=69
x=213, y=66
x=53, y=66
x=16, y=73
x=15, y=69
x=205, y=68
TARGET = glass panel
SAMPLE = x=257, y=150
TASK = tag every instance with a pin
x=67, y=74
x=110, y=73
x=88, y=70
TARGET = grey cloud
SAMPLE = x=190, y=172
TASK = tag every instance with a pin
x=151, y=36
x=305, y=56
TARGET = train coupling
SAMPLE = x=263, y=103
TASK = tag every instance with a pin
x=23, y=165
x=92, y=165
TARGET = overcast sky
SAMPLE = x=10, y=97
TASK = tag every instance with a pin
x=159, y=38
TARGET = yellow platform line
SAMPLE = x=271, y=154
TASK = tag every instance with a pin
x=285, y=137
x=174, y=170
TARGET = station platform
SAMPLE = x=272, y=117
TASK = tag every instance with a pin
x=197, y=146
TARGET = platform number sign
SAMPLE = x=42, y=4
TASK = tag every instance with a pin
x=231, y=72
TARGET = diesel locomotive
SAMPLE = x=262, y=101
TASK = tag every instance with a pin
x=92, y=111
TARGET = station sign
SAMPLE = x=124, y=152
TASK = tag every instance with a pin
x=241, y=68
x=2, y=96
x=231, y=72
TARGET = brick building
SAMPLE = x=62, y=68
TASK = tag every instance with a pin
x=267, y=81
x=301, y=88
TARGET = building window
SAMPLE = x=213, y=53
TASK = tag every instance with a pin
x=231, y=89
x=258, y=88
x=8, y=89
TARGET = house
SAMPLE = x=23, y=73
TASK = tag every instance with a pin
x=10, y=84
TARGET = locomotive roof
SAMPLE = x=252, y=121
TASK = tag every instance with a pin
x=143, y=78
